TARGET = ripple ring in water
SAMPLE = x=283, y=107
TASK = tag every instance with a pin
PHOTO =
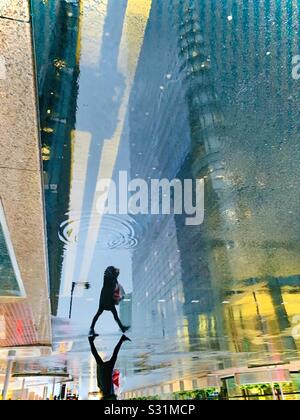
x=114, y=232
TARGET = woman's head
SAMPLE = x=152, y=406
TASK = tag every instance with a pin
x=112, y=272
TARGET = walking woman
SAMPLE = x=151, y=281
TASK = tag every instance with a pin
x=110, y=297
x=105, y=370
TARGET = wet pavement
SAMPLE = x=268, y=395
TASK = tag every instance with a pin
x=181, y=89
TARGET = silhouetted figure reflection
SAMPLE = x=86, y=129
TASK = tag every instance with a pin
x=105, y=370
x=109, y=298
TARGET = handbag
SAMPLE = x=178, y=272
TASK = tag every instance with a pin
x=119, y=294
x=116, y=378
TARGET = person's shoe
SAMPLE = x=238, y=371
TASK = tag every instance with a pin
x=124, y=329
x=125, y=338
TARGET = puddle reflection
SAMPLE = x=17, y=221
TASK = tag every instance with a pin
x=178, y=89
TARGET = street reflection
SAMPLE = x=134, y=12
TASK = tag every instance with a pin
x=180, y=89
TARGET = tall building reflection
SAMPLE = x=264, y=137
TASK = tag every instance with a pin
x=217, y=107
x=57, y=72
x=159, y=143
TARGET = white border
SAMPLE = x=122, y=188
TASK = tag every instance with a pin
x=11, y=255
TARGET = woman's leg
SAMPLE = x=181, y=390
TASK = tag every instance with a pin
x=96, y=355
x=116, y=352
x=117, y=319
x=96, y=317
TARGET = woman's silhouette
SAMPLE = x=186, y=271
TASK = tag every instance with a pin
x=105, y=370
x=107, y=299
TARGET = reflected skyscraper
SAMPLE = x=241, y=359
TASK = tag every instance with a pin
x=159, y=144
x=57, y=73
x=217, y=109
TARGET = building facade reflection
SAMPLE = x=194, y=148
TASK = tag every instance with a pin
x=57, y=72
x=217, y=107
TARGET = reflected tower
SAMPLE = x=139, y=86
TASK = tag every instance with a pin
x=57, y=73
x=215, y=107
